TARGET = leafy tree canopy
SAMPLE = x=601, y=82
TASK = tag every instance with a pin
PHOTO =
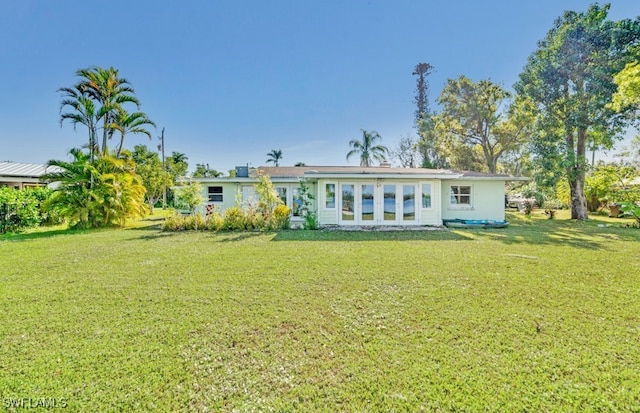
x=569, y=80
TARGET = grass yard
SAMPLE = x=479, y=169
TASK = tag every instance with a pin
x=541, y=316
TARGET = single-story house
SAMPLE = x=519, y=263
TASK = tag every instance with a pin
x=380, y=195
x=21, y=175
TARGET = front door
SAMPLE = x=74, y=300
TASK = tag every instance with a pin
x=377, y=204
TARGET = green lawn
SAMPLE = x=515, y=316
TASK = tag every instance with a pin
x=541, y=316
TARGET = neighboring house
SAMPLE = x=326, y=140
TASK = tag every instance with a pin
x=355, y=195
x=21, y=175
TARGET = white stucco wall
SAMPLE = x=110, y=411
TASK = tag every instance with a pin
x=487, y=200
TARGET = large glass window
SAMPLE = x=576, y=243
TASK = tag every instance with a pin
x=426, y=195
x=297, y=202
x=282, y=193
x=367, y=203
x=348, y=196
x=408, y=202
x=215, y=194
x=460, y=195
x=330, y=196
x=389, y=202
x=249, y=194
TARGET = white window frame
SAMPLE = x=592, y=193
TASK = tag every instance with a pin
x=422, y=185
x=459, y=205
x=335, y=196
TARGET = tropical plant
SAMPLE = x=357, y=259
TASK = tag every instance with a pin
x=110, y=91
x=367, y=149
x=103, y=193
x=274, y=157
x=177, y=164
x=84, y=113
x=97, y=101
x=132, y=123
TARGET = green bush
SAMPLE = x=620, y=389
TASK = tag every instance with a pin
x=173, y=222
x=214, y=222
x=25, y=208
x=235, y=219
x=280, y=219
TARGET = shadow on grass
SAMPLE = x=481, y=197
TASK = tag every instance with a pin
x=41, y=234
x=592, y=234
x=336, y=235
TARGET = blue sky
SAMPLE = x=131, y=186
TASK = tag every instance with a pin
x=232, y=80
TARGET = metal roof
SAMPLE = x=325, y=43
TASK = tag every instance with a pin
x=26, y=170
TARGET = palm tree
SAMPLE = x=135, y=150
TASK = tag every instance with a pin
x=367, y=149
x=177, y=164
x=179, y=157
x=274, y=157
x=84, y=113
x=110, y=92
x=134, y=123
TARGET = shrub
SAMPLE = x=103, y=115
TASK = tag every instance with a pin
x=173, y=222
x=280, y=217
x=235, y=219
x=214, y=222
x=20, y=209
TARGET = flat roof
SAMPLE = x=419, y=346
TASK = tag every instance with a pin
x=294, y=173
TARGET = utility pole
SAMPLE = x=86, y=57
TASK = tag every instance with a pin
x=164, y=169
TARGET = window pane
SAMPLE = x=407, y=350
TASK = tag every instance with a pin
x=347, y=203
x=330, y=195
x=389, y=202
x=282, y=194
x=408, y=202
x=297, y=202
x=465, y=199
x=249, y=195
x=214, y=193
x=426, y=195
x=465, y=190
x=367, y=202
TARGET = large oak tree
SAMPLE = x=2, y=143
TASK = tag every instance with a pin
x=570, y=80
x=473, y=116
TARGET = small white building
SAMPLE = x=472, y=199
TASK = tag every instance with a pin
x=377, y=196
x=21, y=175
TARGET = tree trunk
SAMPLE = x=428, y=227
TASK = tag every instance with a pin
x=578, y=200
x=577, y=174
